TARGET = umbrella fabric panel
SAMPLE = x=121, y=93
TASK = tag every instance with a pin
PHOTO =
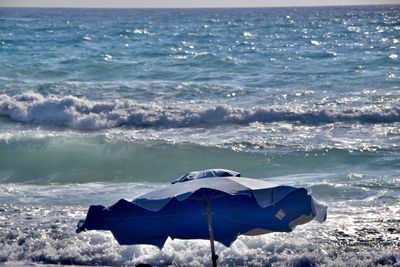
x=157, y=199
x=129, y=223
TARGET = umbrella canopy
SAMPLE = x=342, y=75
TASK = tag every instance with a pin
x=212, y=204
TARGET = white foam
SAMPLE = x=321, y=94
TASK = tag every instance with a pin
x=84, y=114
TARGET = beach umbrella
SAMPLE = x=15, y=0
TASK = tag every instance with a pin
x=218, y=205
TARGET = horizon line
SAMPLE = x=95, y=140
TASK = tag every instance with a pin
x=203, y=7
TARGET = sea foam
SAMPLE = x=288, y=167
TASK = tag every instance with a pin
x=84, y=114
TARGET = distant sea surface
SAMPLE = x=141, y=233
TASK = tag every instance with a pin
x=98, y=105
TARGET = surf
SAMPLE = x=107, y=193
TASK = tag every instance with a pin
x=84, y=114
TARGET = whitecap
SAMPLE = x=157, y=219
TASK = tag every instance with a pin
x=84, y=114
x=180, y=57
x=107, y=56
x=315, y=42
x=141, y=31
x=354, y=29
x=247, y=34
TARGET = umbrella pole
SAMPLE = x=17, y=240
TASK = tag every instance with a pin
x=214, y=257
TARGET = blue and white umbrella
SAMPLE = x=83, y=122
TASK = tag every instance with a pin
x=213, y=204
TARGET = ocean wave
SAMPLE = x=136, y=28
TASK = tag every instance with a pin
x=84, y=114
x=65, y=158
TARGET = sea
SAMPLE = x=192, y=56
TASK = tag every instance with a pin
x=102, y=104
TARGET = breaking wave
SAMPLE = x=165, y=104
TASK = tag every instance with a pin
x=65, y=158
x=84, y=114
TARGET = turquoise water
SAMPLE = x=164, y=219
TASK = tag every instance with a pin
x=98, y=105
